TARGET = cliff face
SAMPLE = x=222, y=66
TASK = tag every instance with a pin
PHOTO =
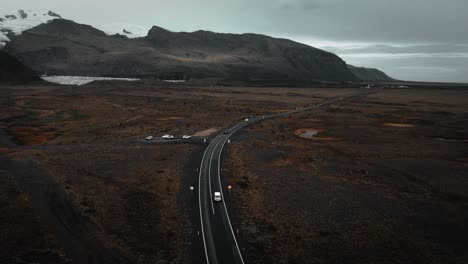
x=65, y=47
x=13, y=71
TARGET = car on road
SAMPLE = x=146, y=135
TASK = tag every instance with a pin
x=167, y=136
x=149, y=138
x=246, y=120
x=217, y=197
x=186, y=136
x=227, y=131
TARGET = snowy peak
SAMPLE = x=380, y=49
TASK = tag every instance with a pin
x=14, y=24
x=129, y=30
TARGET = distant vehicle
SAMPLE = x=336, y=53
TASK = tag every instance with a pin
x=217, y=197
x=149, y=138
x=186, y=136
x=167, y=136
x=226, y=132
x=246, y=120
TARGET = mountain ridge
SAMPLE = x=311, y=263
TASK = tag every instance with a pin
x=64, y=47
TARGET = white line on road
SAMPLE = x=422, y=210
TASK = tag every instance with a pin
x=224, y=203
x=209, y=173
x=199, y=205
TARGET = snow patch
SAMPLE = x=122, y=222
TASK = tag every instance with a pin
x=3, y=37
x=20, y=21
x=82, y=80
x=129, y=30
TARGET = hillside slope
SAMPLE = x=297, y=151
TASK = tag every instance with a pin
x=13, y=71
x=65, y=47
x=369, y=74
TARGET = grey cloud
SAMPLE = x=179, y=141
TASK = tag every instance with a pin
x=436, y=48
x=299, y=6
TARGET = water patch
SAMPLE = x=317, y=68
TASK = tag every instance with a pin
x=82, y=80
x=306, y=132
x=309, y=134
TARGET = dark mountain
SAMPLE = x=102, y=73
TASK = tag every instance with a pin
x=65, y=47
x=13, y=71
x=369, y=74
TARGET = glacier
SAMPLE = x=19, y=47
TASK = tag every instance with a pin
x=82, y=80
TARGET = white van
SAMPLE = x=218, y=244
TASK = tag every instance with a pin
x=217, y=197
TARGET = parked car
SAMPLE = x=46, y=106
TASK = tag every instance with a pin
x=217, y=197
x=186, y=136
x=149, y=138
x=167, y=136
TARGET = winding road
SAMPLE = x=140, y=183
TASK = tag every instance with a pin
x=219, y=236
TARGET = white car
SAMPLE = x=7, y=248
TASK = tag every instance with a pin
x=246, y=120
x=149, y=138
x=167, y=136
x=217, y=197
x=186, y=136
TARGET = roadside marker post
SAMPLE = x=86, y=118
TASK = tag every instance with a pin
x=191, y=191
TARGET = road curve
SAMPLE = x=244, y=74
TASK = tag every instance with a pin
x=218, y=235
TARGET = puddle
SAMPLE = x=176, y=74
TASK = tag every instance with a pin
x=398, y=125
x=306, y=132
x=311, y=133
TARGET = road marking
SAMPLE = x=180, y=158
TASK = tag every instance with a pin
x=224, y=203
x=209, y=174
x=199, y=205
x=219, y=137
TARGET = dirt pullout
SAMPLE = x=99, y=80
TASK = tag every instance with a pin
x=205, y=133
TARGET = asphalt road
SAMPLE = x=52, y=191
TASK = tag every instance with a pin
x=218, y=234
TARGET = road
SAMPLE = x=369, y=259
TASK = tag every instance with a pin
x=218, y=234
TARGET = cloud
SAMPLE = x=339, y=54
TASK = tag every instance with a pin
x=302, y=5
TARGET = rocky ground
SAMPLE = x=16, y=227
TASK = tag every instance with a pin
x=75, y=167
x=378, y=179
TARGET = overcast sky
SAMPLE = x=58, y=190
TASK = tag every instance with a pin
x=423, y=40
